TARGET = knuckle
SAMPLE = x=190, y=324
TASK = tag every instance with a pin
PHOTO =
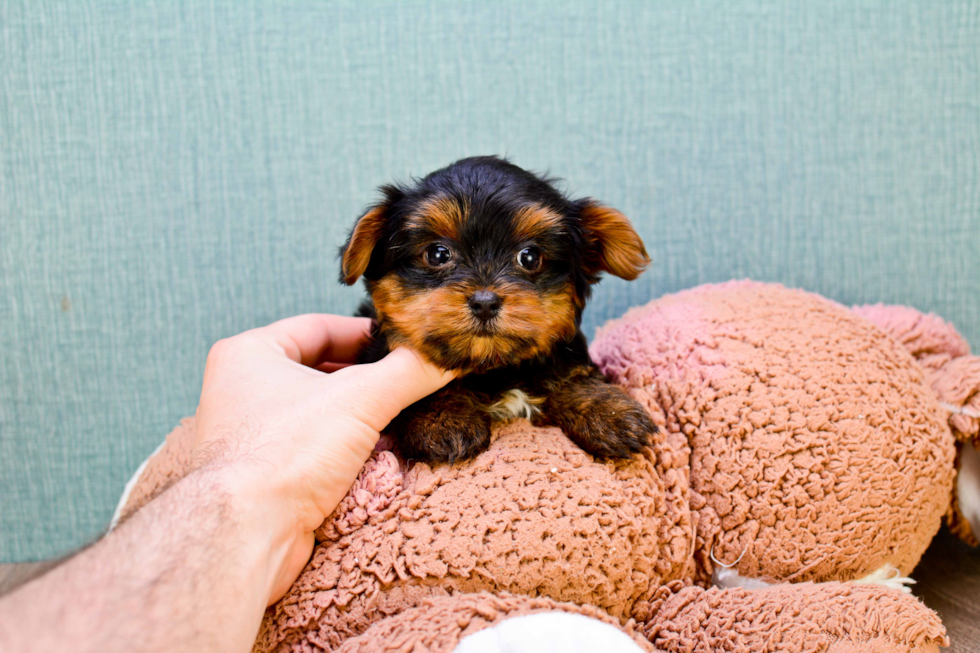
x=222, y=351
x=218, y=349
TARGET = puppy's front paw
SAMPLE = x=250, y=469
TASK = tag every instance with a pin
x=443, y=439
x=604, y=420
x=445, y=427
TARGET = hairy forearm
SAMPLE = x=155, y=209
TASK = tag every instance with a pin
x=280, y=442
x=191, y=571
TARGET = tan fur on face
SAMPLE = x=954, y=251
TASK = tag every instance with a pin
x=620, y=250
x=441, y=215
x=528, y=312
x=411, y=316
x=533, y=221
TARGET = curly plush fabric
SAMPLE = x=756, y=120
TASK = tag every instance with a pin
x=955, y=378
x=533, y=515
x=440, y=624
x=952, y=372
x=818, y=451
x=804, y=617
x=796, y=438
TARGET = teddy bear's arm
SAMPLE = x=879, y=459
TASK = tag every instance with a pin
x=832, y=617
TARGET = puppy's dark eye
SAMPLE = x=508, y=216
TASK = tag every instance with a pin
x=438, y=255
x=529, y=258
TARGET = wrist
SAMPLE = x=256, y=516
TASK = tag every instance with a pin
x=269, y=539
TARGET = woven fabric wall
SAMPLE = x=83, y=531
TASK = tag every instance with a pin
x=175, y=172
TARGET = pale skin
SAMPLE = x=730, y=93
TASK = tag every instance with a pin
x=284, y=425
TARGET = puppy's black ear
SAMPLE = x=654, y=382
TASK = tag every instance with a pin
x=356, y=254
x=613, y=245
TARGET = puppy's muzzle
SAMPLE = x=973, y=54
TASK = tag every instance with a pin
x=485, y=304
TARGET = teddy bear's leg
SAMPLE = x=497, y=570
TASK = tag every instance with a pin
x=832, y=617
x=495, y=623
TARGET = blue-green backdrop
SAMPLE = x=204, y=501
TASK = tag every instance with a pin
x=176, y=172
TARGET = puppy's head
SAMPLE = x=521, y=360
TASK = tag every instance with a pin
x=481, y=264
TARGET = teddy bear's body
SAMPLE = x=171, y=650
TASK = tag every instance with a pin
x=798, y=442
x=817, y=449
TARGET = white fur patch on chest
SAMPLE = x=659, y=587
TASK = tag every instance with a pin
x=515, y=403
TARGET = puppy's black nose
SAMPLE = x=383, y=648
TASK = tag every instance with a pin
x=485, y=304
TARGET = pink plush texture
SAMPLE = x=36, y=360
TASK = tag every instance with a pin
x=376, y=487
x=794, y=433
x=817, y=448
x=440, y=624
x=952, y=372
x=835, y=617
x=533, y=515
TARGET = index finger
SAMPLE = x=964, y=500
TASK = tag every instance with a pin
x=316, y=338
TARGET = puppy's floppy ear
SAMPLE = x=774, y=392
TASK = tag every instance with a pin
x=356, y=254
x=613, y=245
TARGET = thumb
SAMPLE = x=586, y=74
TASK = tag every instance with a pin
x=399, y=380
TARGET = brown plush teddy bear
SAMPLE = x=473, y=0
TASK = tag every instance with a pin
x=806, y=455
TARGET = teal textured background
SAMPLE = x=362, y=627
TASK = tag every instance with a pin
x=175, y=172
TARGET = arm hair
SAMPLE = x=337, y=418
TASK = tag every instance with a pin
x=184, y=573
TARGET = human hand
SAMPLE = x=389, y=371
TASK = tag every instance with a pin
x=285, y=424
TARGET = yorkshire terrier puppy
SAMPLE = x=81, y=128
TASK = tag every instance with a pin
x=484, y=268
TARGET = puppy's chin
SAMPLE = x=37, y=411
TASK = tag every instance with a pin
x=480, y=352
x=473, y=352
x=439, y=324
